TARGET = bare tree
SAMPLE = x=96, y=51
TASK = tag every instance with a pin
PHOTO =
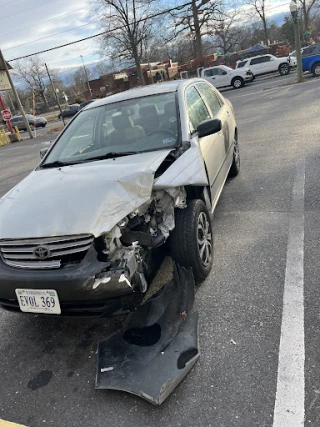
x=77, y=82
x=32, y=72
x=127, y=27
x=259, y=8
x=194, y=18
x=307, y=7
x=229, y=34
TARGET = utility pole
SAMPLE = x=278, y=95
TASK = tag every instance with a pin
x=294, y=14
x=85, y=71
x=55, y=94
x=26, y=122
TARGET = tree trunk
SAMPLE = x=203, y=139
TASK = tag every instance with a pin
x=305, y=17
x=265, y=30
x=197, y=30
x=138, y=64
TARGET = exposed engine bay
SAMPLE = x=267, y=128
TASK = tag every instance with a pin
x=127, y=246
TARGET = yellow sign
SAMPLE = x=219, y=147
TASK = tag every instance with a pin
x=4, y=81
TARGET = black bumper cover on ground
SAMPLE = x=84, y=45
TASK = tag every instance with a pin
x=157, y=347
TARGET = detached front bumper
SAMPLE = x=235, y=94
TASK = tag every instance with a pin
x=86, y=289
x=248, y=78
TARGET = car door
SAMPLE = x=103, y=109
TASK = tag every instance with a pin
x=255, y=66
x=211, y=146
x=268, y=64
x=221, y=111
x=215, y=76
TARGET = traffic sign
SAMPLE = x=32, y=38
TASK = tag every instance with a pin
x=6, y=114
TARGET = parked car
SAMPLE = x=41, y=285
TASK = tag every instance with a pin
x=223, y=76
x=311, y=59
x=70, y=111
x=265, y=64
x=34, y=121
x=81, y=233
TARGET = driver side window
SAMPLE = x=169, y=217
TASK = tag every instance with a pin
x=197, y=110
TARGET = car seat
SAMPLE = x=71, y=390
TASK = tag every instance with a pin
x=124, y=131
x=170, y=117
x=149, y=118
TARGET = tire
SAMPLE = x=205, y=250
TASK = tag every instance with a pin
x=235, y=167
x=193, y=224
x=316, y=69
x=237, y=82
x=284, y=69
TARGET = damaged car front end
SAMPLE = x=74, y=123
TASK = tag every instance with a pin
x=131, y=178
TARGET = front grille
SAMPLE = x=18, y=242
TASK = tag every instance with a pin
x=45, y=253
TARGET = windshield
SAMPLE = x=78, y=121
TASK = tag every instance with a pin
x=135, y=125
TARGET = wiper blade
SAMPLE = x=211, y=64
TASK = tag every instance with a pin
x=55, y=164
x=112, y=155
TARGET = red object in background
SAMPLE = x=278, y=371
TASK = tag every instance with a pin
x=4, y=115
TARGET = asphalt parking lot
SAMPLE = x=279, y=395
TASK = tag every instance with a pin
x=259, y=308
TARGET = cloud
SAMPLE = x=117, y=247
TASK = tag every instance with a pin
x=44, y=20
x=73, y=19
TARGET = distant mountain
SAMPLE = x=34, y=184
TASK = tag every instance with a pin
x=277, y=18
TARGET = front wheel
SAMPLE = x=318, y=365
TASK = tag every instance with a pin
x=191, y=240
x=284, y=69
x=237, y=82
x=316, y=70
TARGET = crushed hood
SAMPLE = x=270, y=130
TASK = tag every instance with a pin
x=85, y=198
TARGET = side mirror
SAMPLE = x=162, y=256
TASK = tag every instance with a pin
x=224, y=73
x=209, y=127
x=43, y=152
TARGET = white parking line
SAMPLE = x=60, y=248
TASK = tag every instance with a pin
x=289, y=404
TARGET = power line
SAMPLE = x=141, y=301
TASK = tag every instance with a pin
x=100, y=34
x=30, y=8
x=47, y=37
x=41, y=22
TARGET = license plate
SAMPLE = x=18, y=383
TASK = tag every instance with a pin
x=44, y=301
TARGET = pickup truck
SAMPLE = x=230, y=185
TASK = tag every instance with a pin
x=311, y=59
x=223, y=76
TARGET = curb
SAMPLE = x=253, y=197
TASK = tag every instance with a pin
x=9, y=424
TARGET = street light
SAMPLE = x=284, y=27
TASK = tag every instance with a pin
x=294, y=13
x=85, y=71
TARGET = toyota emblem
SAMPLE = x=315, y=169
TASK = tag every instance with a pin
x=41, y=252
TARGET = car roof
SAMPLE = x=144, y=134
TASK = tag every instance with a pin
x=142, y=91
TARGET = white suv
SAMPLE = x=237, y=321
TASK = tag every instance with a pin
x=222, y=76
x=265, y=64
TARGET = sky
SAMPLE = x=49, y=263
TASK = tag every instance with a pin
x=29, y=26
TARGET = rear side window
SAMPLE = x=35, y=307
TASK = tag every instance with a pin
x=255, y=61
x=197, y=110
x=309, y=51
x=265, y=59
x=210, y=97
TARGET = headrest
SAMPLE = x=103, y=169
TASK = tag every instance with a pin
x=122, y=121
x=148, y=110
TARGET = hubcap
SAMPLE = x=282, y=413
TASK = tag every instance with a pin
x=204, y=239
x=237, y=83
x=285, y=69
x=317, y=70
